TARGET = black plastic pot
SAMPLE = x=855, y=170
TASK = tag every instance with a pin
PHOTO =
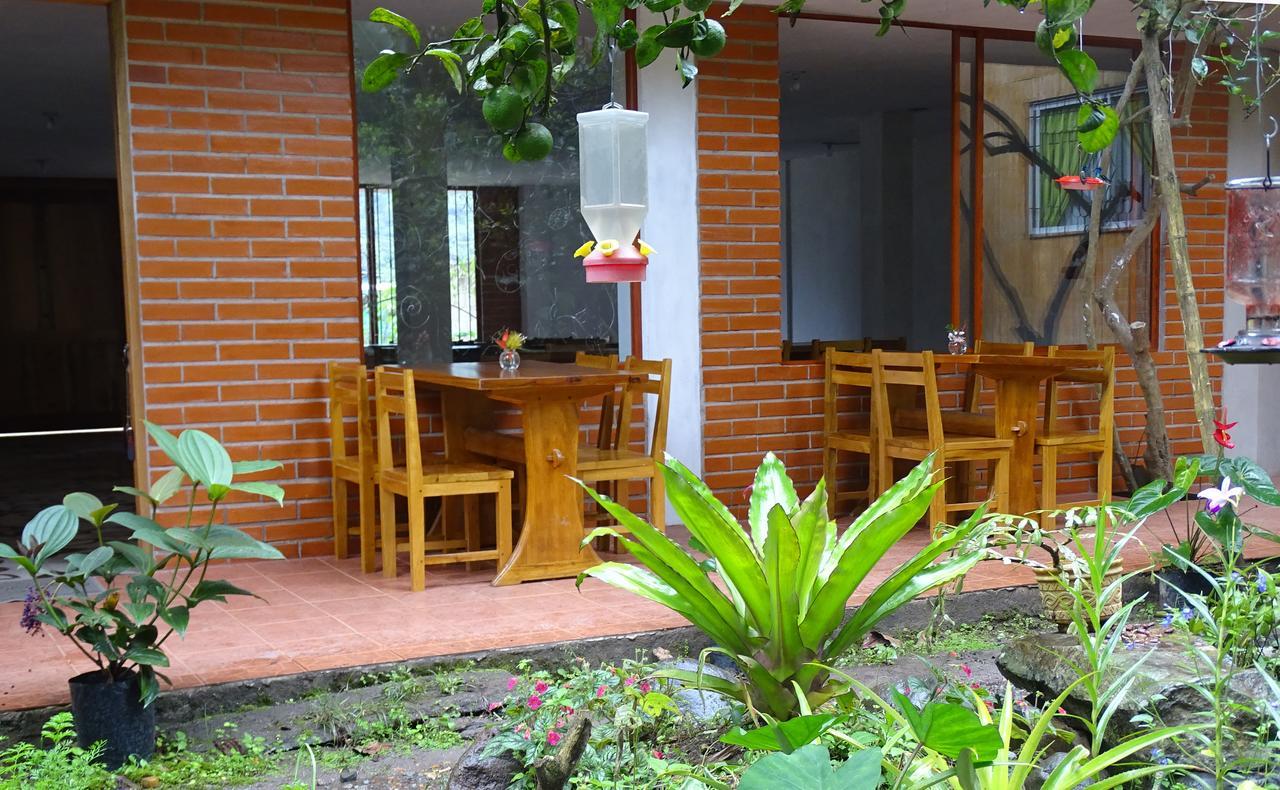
x=111, y=711
x=1174, y=584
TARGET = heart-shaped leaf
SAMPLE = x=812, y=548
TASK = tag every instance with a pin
x=207, y=461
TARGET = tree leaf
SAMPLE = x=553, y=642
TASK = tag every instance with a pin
x=809, y=768
x=392, y=18
x=94, y=560
x=269, y=490
x=784, y=736
x=1255, y=481
x=177, y=618
x=1080, y=69
x=168, y=484
x=383, y=70
x=251, y=467
x=51, y=529
x=1098, y=136
x=168, y=444
x=679, y=33
x=647, y=47
x=150, y=656
x=451, y=63
x=215, y=590
x=207, y=460
x=82, y=504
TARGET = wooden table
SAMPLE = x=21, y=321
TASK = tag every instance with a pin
x=1018, y=380
x=548, y=395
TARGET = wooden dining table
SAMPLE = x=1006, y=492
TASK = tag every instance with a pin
x=1018, y=380
x=548, y=395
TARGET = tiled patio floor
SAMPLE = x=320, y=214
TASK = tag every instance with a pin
x=324, y=613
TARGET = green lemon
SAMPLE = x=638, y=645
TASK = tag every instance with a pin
x=533, y=142
x=711, y=43
x=503, y=108
x=510, y=152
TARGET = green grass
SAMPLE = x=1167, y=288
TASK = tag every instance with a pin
x=240, y=761
x=989, y=633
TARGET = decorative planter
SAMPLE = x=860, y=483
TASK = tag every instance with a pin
x=112, y=712
x=1058, y=602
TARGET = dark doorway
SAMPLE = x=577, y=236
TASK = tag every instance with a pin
x=63, y=396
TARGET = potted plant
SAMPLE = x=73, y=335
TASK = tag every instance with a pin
x=1088, y=544
x=120, y=602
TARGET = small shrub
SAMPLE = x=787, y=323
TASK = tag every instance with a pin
x=58, y=764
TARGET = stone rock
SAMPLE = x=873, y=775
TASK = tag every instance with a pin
x=477, y=771
x=1038, y=776
x=1045, y=663
x=695, y=703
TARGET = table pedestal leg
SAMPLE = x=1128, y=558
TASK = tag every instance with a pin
x=549, y=543
x=1016, y=401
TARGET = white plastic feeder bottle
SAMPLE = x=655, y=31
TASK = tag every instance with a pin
x=612, y=152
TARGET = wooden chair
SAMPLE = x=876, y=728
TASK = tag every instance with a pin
x=1096, y=367
x=414, y=481
x=620, y=464
x=847, y=370
x=973, y=381
x=349, y=405
x=608, y=430
x=916, y=371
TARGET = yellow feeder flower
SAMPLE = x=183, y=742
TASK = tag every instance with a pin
x=609, y=247
x=585, y=249
x=645, y=249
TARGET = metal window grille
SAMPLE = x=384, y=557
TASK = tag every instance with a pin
x=1052, y=135
x=377, y=266
x=463, y=306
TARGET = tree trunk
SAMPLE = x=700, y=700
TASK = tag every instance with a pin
x=1170, y=195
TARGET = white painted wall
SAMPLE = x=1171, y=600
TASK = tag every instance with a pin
x=670, y=294
x=1249, y=391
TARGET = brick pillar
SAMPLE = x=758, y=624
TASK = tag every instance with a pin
x=244, y=175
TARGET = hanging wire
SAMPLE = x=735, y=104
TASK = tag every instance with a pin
x=613, y=75
x=1257, y=86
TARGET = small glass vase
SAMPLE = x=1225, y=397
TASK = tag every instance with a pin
x=958, y=341
x=509, y=360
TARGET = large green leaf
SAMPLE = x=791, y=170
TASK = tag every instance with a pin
x=771, y=487
x=51, y=530
x=251, y=467
x=783, y=736
x=82, y=504
x=392, y=18
x=1065, y=12
x=781, y=561
x=949, y=729
x=168, y=484
x=138, y=558
x=94, y=560
x=383, y=70
x=1079, y=69
x=168, y=444
x=809, y=768
x=1255, y=481
x=207, y=461
x=815, y=535
x=1097, y=126
x=269, y=490
x=214, y=590
x=146, y=530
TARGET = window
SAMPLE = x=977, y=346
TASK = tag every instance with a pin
x=377, y=267
x=1054, y=210
x=462, y=264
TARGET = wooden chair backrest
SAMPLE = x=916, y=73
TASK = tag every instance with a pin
x=395, y=396
x=656, y=380
x=349, y=398
x=973, y=382
x=843, y=369
x=608, y=430
x=905, y=370
x=1096, y=367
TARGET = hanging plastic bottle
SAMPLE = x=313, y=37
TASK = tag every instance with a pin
x=612, y=151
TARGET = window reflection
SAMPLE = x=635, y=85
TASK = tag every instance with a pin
x=457, y=243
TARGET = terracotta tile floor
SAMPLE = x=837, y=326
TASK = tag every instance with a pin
x=324, y=613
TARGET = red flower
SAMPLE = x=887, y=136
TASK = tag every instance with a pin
x=966, y=670
x=657, y=753
x=535, y=702
x=540, y=687
x=502, y=341
x=1221, y=435
x=553, y=738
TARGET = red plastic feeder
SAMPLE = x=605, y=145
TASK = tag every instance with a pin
x=1081, y=183
x=625, y=265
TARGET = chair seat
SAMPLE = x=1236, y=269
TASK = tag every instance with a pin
x=595, y=460
x=953, y=422
x=950, y=444
x=850, y=441
x=1079, y=439
x=450, y=473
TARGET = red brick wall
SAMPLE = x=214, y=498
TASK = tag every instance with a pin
x=244, y=176
x=754, y=403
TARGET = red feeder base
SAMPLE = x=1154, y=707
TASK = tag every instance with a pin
x=626, y=265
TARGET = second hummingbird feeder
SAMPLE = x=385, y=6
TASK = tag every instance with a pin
x=612, y=150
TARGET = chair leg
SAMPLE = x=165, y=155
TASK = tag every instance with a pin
x=388, y=502
x=1048, y=484
x=1001, y=483
x=368, y=526
x=503, y=528
x=829, y=460
x=658, y=502
x=417, y=542
x=938, y=506
x=340, y=518
x=1105, y=473
x=884, y=471
x=471, y=524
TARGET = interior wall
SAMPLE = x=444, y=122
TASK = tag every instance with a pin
x=823, y=245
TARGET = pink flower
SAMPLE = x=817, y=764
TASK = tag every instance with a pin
x=540, y=687
x=600, y=692
x=535, y=702
x=494, y=706
x=566, y=709
x=559, y=723
x=631, y=681
x=644, y=687
x=512, y=683
x=657, y=754
x=966, y=670
x=553, y=738
x=525, y=735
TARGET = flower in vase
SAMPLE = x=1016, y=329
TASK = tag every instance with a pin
x=510, y=340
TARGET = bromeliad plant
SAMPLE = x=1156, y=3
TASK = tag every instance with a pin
x=120, y=602
x=781, y=612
